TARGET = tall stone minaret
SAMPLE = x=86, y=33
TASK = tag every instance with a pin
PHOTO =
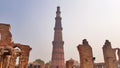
x=58, y=49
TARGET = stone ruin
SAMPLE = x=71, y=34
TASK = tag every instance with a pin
x=86, y=56
x=10, y=51
x=87, y=59
x=109, y=55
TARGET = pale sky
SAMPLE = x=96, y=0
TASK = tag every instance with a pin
x=32, y=23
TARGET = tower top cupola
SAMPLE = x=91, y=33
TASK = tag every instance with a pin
x=58, y=11
x=58, y=25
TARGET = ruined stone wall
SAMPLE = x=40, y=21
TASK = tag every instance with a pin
x=99, y=65
x=118, y=56
x=8, y=53
x=109, y=55
x=86, y=56
x=5, y=35
x=24, y=57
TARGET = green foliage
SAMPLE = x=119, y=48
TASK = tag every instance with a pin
x=39, y=61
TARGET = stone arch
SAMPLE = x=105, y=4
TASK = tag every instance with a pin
x=18, y=58
x=17, y=48
x=9, y=51
x=24, y=57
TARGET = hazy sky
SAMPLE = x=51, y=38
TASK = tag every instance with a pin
x=32, y=23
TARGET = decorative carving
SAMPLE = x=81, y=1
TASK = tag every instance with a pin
x=8, y=53
x=24, y=57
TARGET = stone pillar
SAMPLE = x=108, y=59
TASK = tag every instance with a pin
x=8, y=54
x=6, y=62
x=118, y=56
x=1, y=56
x=86, y=55
x=24, y=58
x=13, y=58
x=5, y=57
x=1, y=61
x=109, y=55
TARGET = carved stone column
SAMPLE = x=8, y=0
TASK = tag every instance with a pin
x=8, y=53
x=86, y=56
x=109, y=55
x=1, y=56
x=6, y=61
x=24, y=58
x=13, y=58
x=1, y=61
x=5, y=40
x=4, y=57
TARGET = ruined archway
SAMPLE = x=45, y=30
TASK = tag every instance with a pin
x=10, y=52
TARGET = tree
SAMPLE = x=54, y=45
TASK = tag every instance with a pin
x=39, y=61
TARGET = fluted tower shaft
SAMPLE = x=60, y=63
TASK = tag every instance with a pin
x=58, y=49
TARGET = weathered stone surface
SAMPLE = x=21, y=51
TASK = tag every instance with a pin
x=5, y=35
x=86, y=55
x=109, y=55
x=100, y=65
x=8, y=53
x=24, y=57
x=118, y=55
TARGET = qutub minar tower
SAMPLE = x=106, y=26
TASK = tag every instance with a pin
x=58, y=49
